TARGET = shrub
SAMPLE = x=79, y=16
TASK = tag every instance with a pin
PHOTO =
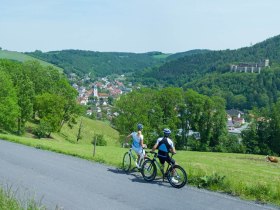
x=207, y=181
x=100, y=141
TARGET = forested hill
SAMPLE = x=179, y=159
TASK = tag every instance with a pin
x=187, y=53
x=194, y=66
x=100, y=63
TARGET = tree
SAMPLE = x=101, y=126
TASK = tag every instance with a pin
x=169, y=99
x=9, y=109
x=275, y=128
x=218, y=121
x=26, y=94
x=50, y=80
x=50, y=111
x=250, y=139
x=207, y=116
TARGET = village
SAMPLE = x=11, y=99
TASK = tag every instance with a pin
x=98, y=95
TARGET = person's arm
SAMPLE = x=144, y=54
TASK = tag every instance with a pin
x=173, y=150
x=142, y=143
x=127, y=138
x=154, y=147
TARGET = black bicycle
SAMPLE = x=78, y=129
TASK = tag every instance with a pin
x=175, y=174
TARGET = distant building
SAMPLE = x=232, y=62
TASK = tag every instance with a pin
x=103, y=95
x=95, y=91
x=249, y=67
x=234, y=119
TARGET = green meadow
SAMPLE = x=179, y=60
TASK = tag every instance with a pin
x=247, y=176
x=21, y=57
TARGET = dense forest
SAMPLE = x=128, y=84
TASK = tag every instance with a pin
x=100, y=63
x=195, y=66
x=241, y=90
x=210, y=73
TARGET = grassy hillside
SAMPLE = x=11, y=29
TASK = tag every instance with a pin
x=21, y=57
x=89, y=128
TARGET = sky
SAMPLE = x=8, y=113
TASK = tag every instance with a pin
x=168, y=26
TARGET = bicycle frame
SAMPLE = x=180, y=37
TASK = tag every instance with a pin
x=132, y=155
x=174, y=173
x=161, y=166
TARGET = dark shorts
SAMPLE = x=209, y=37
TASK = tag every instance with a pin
x=167, y=158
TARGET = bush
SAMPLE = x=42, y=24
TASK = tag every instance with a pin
x=230, y=144
x=208, y=181
x=100, y=141
x=43, y=130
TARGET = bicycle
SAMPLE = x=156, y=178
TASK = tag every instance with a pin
x=128, y=157
x=175, y=174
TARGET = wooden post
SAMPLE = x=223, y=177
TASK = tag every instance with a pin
x=94, y=146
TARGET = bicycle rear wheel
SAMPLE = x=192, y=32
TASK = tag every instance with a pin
x=177, y=176
x=126, y=162
x=149, y=170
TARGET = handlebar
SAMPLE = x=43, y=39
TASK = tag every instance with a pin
x=154, y=152
x=130, y=145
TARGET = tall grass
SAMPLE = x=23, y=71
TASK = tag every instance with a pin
x=9, y=201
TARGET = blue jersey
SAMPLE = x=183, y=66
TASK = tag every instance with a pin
x=136, y=140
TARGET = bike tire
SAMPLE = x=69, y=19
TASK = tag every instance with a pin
x=142, y=161
x=177, y=176
x=149, y=170
x=126, y=162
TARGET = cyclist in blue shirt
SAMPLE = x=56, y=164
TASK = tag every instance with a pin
x=164, y=146
x=137, y=142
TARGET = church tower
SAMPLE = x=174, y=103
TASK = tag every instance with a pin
x=95, y=92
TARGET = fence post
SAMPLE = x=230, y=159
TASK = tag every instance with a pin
x=94, y=146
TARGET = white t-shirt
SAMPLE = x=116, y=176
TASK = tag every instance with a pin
x=136, y=146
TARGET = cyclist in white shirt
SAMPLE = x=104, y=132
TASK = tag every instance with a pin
x=138, y=142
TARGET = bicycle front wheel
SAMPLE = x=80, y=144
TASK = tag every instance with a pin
x=149, y=170
x=177, y=176
x=126, y=162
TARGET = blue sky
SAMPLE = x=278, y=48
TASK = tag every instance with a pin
x=136, y=25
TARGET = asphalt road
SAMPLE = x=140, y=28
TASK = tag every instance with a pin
x=70, y=183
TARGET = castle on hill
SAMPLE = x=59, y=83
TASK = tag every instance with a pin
x=249, y=67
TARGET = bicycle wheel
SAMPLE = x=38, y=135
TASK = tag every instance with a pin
x=126, y=162
x=177, y=176
x=142, y=161
x=149, y=170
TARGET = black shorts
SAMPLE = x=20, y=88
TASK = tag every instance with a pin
x=166, y=158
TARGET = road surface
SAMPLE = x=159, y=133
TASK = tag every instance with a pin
x=70, y=183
